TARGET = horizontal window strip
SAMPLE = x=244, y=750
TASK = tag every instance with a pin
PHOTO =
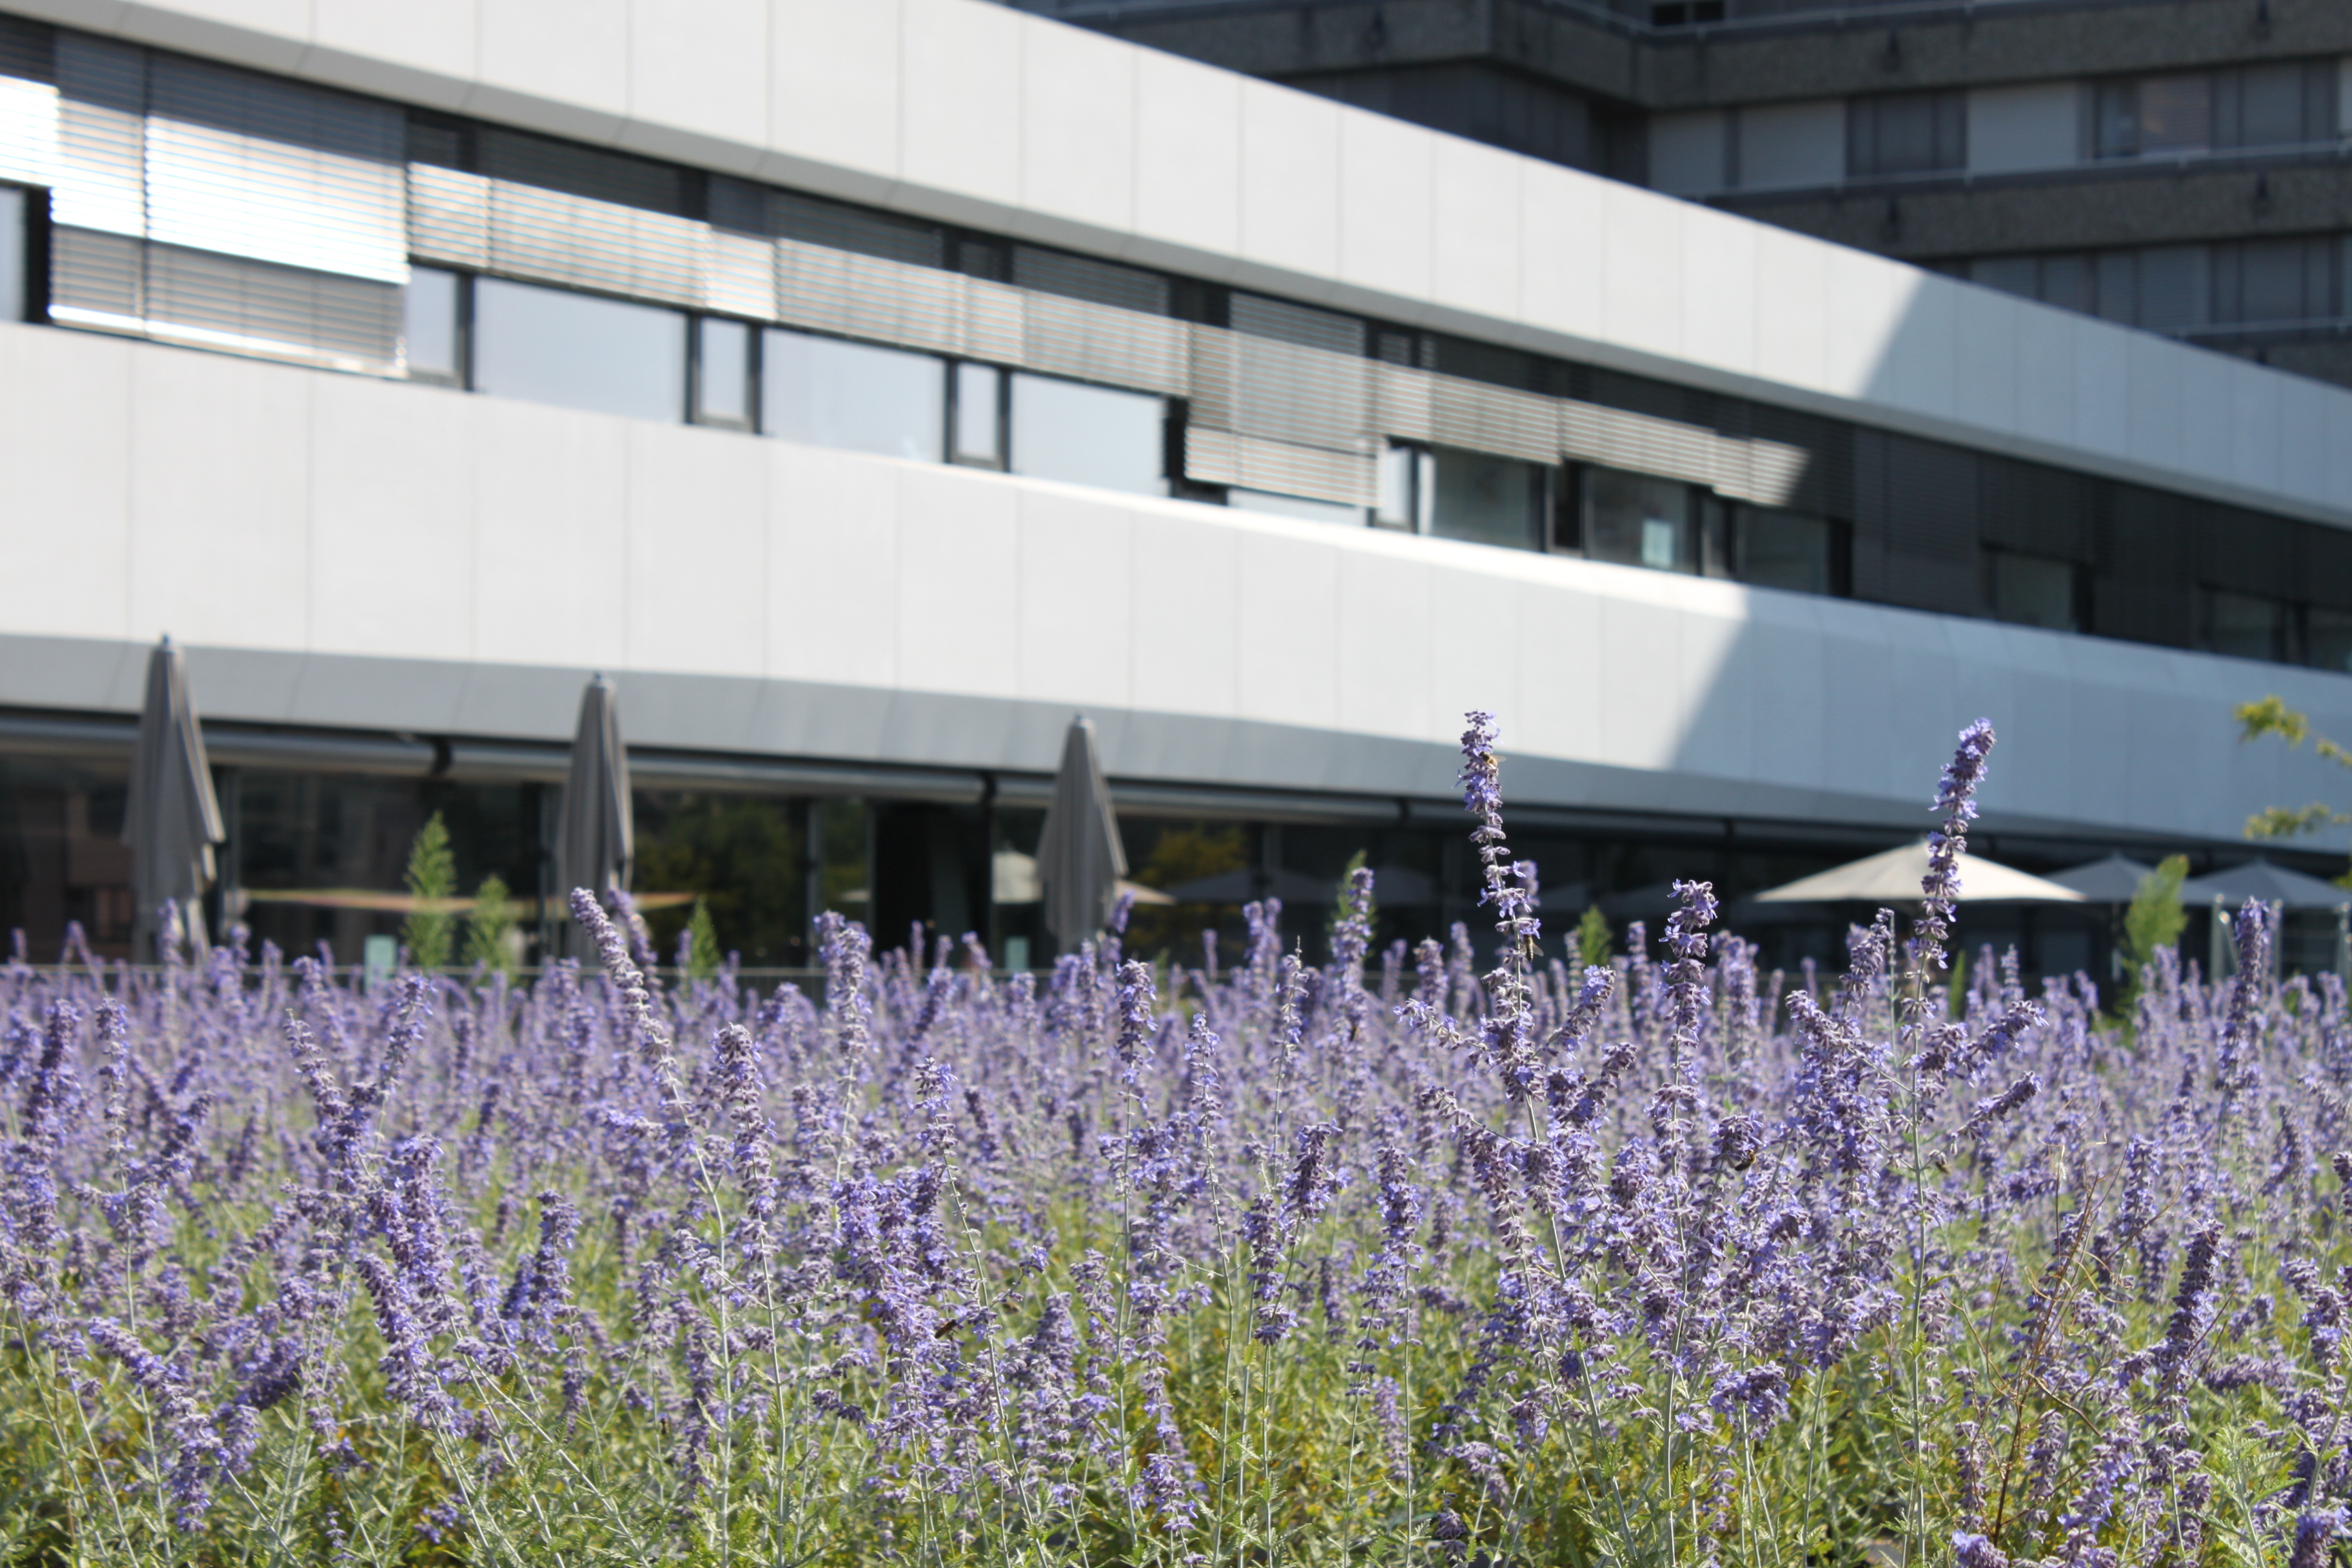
x=28, y=131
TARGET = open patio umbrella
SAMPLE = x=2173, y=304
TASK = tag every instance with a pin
x=2258, y=879
x=595, y=837
x=172, y=819
x=1894, y=877
x=2113, y=881
x=1079, y=859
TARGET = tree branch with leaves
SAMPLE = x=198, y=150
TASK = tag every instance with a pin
x=2272, y=716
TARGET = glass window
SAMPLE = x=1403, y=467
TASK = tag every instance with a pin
x=2035, y=591
x=722, y=379
x=1490, y=499
x=2243, y=625
x=2174, y=287
x=2154, y=114
x=11, y=255
x=1088, y=436
x=2009, y=274
x=1406, y=490
x=1636, y=521
x=2119, y=286
x=1907, y=133
x=979, y=425
x=2066, y=282
x=1295, y=506
x=2328, y=638
x=1785, y=549
x=578, y=351
x=429, y=326
x=852, y=396
x=2270, y=105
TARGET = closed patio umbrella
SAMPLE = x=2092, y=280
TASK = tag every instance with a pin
x=1079, y=859
x=2113, y=881
x=2259, y=879
x=1894, y=877
x=595, y=837
x=172, y=819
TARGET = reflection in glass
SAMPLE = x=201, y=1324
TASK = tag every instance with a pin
x=852, y=396
x=841, y=840
x=2328, y=638
x=428, y=333
x=12, y=255
x=979, y=394
x=1405, y=487
x=579, y=351
x=2243, y=625
x=1305, y=510
x=1784, y=549
x=2035, y=591
x=1088, y=435
x=741, y=855
x=1489, y=500
x=722, y=393
x=1636, y=521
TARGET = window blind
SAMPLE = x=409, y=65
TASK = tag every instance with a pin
x=246, y=166
x=101, y=136
x=279, y=312
x=28, y=131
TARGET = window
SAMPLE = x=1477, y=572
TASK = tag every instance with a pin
x=2153, y=115
x=2242, y=624
x=1492, y=501
x=1635, y=520
x=1305, y=510
x=2035, y=591
x=13, y=234
x=1088, y=436
x=1790, y=549
x=2328, y=638
x=432, y=318
x=722, y=373
x=854, y=397
x=579, y=351
x=2276, y=105
x=1408, y=489
x=979, y=416
x=1907, y=133
x=2275, y=280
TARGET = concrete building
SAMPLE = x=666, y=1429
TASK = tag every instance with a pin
x=867, y=386
x=2178, y=165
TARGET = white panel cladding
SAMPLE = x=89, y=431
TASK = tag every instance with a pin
x=1687, y=153
x=215, y=433
x=101, y=136
x=2034, y=126
x=1793, y=144
x=246, y=166
x=28, y=131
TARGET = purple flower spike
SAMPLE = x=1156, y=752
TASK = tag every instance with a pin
x=1940, y=887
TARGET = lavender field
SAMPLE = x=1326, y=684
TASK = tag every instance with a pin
x=1389, y=1261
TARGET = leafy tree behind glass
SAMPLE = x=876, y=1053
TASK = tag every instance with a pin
x=2272, y=717
x=431, y=882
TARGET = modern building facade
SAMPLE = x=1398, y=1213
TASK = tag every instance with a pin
x=2179, y=165
x=866, y=387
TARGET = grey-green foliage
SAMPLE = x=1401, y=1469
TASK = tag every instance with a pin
x=488, y=927
x=2156, y=918
x=431, y=882
x=1593, y=938
x=701, y=942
